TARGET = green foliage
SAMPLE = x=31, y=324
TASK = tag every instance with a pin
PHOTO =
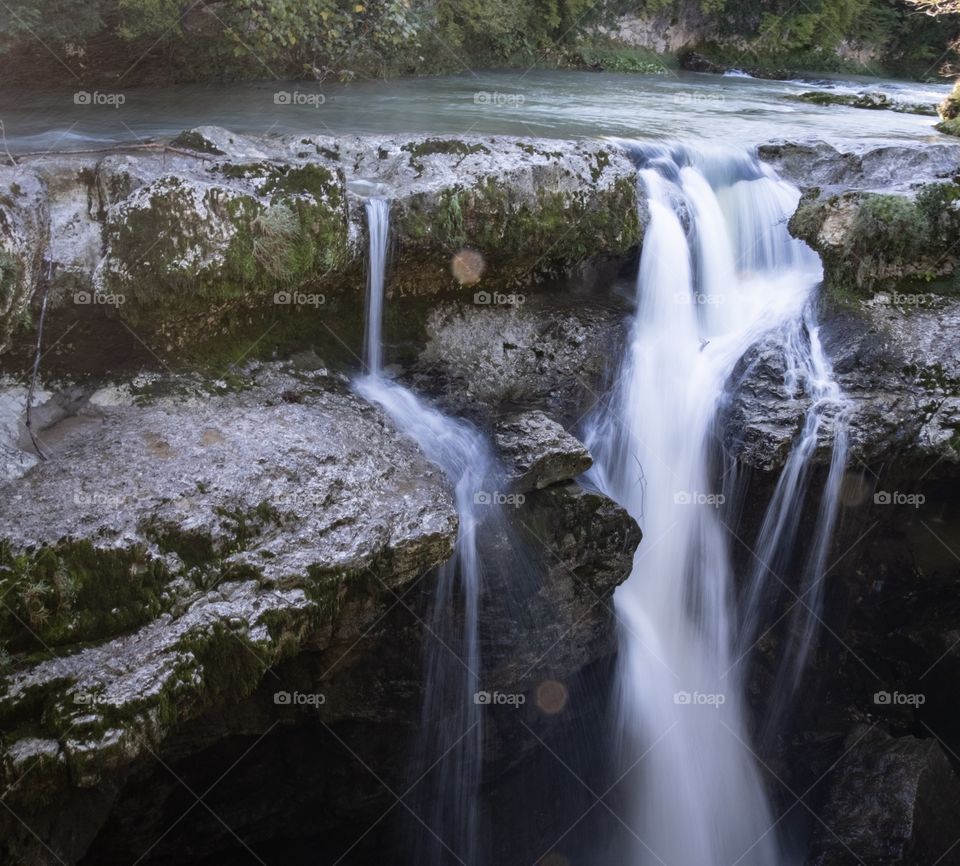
x=345, y=38
x=950, y=127
x=949, y=109
x=58, y=21
x=611, y=57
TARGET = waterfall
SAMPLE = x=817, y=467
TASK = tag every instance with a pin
x=378, y=227
x=718, y=272
x=450, y=742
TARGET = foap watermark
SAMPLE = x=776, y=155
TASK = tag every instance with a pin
x=485, y=497
x=499, y=699
x=299, y=299
x=98, y=499
x=700, y=99
x=299, y=699
x=699, y=299
x=899, y=699
x=700, y=699
x=85, y=699
x=108, y=100
x=886, y=497
x=99, y=299
x=901, y=299
x=499, y=100
x=687, y=497
x=498, y=299
x=298, y=97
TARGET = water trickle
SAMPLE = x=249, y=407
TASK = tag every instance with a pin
x=450, y=742
x=378, y=226
x=718, y=272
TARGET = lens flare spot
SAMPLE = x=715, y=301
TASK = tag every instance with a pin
x=468, y=266
x=552, y=696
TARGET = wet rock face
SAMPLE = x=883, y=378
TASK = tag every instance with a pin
x=494, y=358
x=897, y=362
x=760, y=415
x=873, y=240
x=172, y=552
x=190, y=548
x=170, y=241
x=878, y=217
x=24, y=219
x=900, y=366
x=893, y=802
x=891, y=168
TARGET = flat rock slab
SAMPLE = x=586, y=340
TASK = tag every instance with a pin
x=185, y=537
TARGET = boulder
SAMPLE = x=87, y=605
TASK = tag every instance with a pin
x=892, y=802
x=527, y=352
x=896, y=360
x=538, y=452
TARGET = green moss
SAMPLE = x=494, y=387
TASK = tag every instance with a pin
x=193, y=140
x=72, y=592
x=516, y=237
x=888, y=239
x=893, y=223
x=949, y=127
x=949, y=109
x=433, y=146
x=602, y=160
x=315, y=180
x=173, y=266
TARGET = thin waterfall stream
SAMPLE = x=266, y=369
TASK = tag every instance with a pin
x=718, y=273
x=450, y=742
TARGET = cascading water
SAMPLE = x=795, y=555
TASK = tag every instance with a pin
x=450, y=743
x=378, y=227
x=718, y=272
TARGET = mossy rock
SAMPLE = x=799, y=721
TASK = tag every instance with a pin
x=73, y=592
x=517, y=237
x=871, y=240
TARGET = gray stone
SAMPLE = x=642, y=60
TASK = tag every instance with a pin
x=892, y=802
x=538, y=452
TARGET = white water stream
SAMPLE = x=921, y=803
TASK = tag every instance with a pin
x=718, y=272
x=450, y=743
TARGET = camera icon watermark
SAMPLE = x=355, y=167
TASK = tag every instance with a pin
x=97, y=299
x=705, y=100
x=701, y=699
x=484, y=497
x=684, y=497
x=899, y=699
x=489, y=699
x=110, y=100
x=98, y=499
x=499, y=100
x=499, y=299
x=299, y=699
x=886, y=497
x=299, y=97
x=299, y=299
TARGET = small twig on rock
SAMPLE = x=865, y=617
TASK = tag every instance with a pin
x=36, y=359
x=3, y=137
